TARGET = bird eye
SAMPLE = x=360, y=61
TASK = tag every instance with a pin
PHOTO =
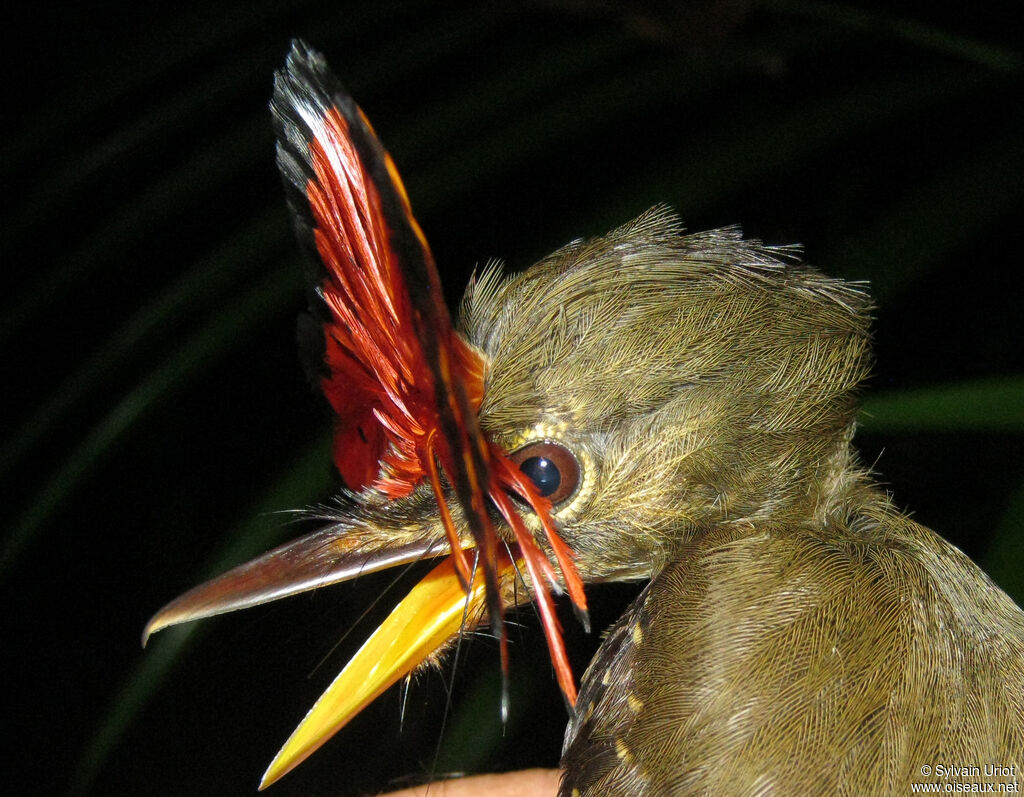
x=551, y=467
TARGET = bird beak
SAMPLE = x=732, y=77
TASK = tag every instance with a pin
x=432, y=614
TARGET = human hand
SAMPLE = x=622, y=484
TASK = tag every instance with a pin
x=524, y=783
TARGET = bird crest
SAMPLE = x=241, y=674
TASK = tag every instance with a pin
x=406, y=389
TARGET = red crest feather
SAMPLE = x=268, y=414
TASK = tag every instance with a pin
x=405, y=385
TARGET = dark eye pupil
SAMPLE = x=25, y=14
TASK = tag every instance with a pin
x=543, y=473
x=553, y=469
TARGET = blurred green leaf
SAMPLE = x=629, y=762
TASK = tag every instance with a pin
x=992, y=405
x=1006, y=551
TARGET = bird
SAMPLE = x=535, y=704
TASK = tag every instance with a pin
x=647, y=405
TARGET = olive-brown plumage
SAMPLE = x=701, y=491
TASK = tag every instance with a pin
x=671, y=407
x=799, y=635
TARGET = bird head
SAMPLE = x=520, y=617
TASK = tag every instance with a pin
x=686, y=381
x=582, y=422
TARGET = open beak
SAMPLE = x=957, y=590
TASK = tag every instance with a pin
x=433, y=613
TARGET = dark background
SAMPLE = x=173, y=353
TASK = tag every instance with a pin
x=156, y=420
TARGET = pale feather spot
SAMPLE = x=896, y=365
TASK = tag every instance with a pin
x=623, y=752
